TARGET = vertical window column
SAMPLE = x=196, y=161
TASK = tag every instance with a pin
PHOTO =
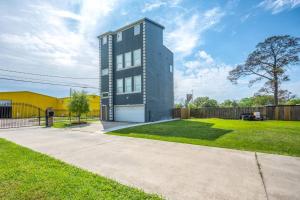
x=137, y=83
x=137, y=57
x=100, y=67
x=119, y=61
x=110, y=78
x=144, y=63
x=128, y=59
x=128, y=85
x=119, y=86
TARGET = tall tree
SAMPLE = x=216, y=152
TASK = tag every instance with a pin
x=79, y=103
x=269, y=62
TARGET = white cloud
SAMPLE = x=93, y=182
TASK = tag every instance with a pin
x=187, y=32
x=149, y=6
x=201, y=61
x=52, y=38
x=211, y=82
x=277, y=6
x=206, y=57
x=153, y=5
x=185, y=36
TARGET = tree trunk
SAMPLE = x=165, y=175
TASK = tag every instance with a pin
x=276, y=91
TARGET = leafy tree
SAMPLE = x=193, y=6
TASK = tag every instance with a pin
x=191, y=105
x=269, y=62
x=179, y=105
x=257, y=100
x=229, y=103
x=246, y=102
x=205, y=102
x=295, y=101
x=263, y=100
x=79, y=103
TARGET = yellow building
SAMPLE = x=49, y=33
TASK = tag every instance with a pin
x=44, y=101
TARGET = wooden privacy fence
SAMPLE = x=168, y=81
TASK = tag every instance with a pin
x=182, y=113
x=285, y=112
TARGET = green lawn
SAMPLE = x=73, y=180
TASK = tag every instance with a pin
x=25, y=174
x=67, y=123
x=279, y=137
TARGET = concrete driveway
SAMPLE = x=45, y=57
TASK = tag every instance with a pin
x=173, y=170
x=100, y=126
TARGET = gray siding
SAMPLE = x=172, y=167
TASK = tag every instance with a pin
x=130, y=42
x=158, y=78
x=104, y=65
x=159, y=82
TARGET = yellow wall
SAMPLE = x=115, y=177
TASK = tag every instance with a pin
x=94, y=102
x=44, y=101
x=38, y=100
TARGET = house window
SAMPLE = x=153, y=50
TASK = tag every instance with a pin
x=171, y=68
x=104, y=72
x=128, y=85
x=104, y=94
x=119, y=36
x=137, y=81
x=137, y=29
x=120, y=61
x=104, y=40
x=128, y=59
x=137, y=57
x=119, y=86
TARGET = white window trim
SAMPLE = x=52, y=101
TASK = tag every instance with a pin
x=128, y=93
x=130, y=57
x=106, y=96
x=140, y=63
x=122, y=86
x=104, y=40
x=121, y=62
x=119, y=36
x=130, y=81
x=134, y=88
x=135, y=28
x=106, y=72
x=171, y=68
x=128, y=68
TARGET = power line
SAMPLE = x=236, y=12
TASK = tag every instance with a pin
x=37, y=79
x=47, y=83
x=54, y=76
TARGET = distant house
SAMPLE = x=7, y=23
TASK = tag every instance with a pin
x=136, y=73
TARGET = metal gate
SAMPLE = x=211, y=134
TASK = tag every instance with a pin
x=16, y=115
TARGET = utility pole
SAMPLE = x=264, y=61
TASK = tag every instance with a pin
x=70, y=93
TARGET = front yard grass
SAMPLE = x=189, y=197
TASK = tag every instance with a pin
x=25, y=174
x=279, y=137
x=68, y=123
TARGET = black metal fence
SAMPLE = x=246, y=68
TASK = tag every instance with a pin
x=65, y=115
x=20, y=115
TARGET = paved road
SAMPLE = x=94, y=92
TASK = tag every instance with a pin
x=176, y=171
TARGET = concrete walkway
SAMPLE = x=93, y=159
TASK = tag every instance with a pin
x=173, y=170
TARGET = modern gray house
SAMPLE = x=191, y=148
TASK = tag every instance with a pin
x=136, y=74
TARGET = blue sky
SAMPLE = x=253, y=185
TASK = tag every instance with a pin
x=208, y=39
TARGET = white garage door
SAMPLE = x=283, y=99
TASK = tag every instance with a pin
x=130, y=113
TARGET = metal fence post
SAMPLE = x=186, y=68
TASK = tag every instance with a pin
x=39, y=116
